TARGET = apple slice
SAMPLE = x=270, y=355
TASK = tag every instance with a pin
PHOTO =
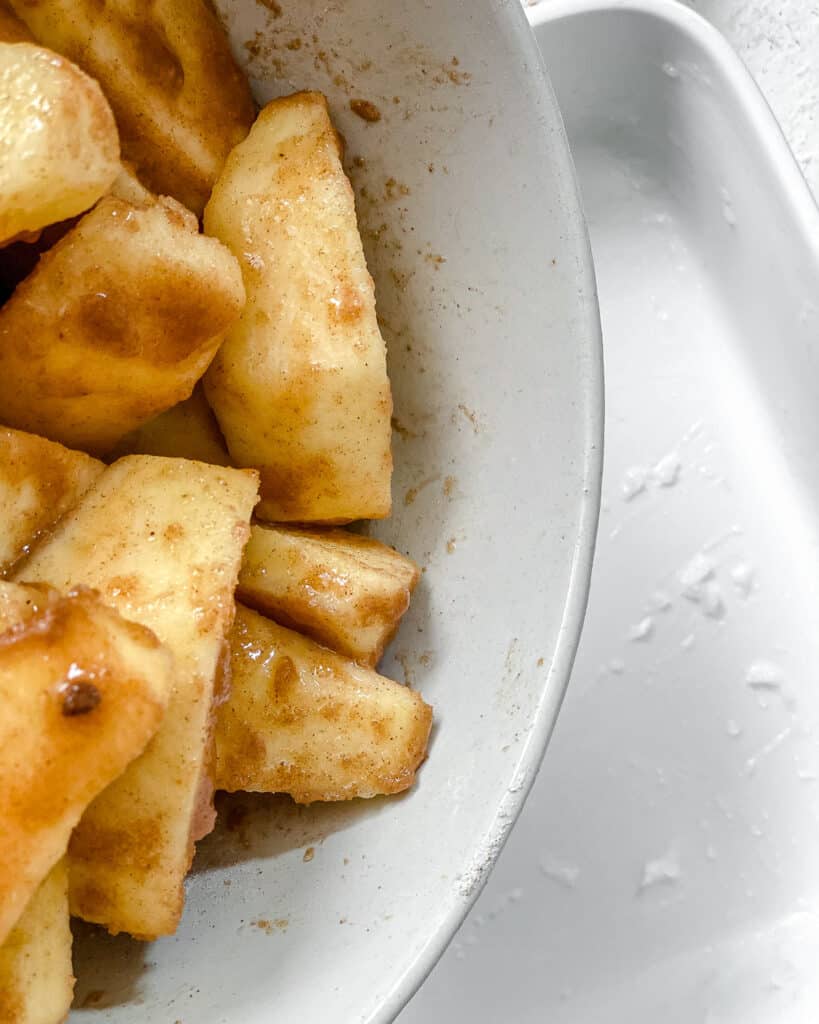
x=300, y=384
x=305, y=721
x=36, y=978
x=115, y=323
x=346, y=592
x=186, y=431
x=39, y=481
x=161, y=540
x=167, y=70
x=82, y=692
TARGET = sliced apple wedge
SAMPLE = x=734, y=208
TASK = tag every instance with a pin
x=305, y=721
x=115, y=323
x=39, y=481
x=346, y=592
x=300, y=384
x=82, y=692
x=161, y=540
x=60, y=143
x=166, y=67
x=187, y=431
x=36, y=979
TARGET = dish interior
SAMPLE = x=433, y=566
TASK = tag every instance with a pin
x=474, y=235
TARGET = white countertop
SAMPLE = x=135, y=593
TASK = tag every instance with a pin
x=541, y=870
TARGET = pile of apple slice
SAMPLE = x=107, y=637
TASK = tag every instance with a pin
x=190, y=417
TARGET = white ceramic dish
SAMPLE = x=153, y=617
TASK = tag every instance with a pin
x=666, y=867
x=475, y=236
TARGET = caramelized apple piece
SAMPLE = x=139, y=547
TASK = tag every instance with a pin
x=161, y=540
x=115, y=324
x=345, y=591
x=305, y=721
x=180, y=101
x=82, y=692
x=39, y=481
x=300, y=385
x=36, y=979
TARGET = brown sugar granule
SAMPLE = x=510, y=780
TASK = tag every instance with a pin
x=366, y=110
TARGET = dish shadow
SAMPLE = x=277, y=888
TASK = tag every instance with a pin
x=125, y=960
x=251, y=826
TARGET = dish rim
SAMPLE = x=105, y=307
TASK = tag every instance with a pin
x=744, y=88
x=587, y=332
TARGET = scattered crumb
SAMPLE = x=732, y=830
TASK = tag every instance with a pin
x=392, y=188
x=309, y=854
x=413, y=492
x=359, y=161
x=426, y=658
x=435, y=259
x=268, y=927
x=450, y=546
x=513, y=658
x=445, y=74
x=403, y=660
x=227, y=882
x=261, y=50
x=540, y=662
x=294, y=44
x=450, y=483
x=399, y=279
x=366, y=110
x=471, y=416
x=346, y=860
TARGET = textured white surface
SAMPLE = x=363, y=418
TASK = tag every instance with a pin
x=664, y=867
x=779, y=42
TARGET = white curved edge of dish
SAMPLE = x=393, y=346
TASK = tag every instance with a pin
x=738, y=78
x=580, y=576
